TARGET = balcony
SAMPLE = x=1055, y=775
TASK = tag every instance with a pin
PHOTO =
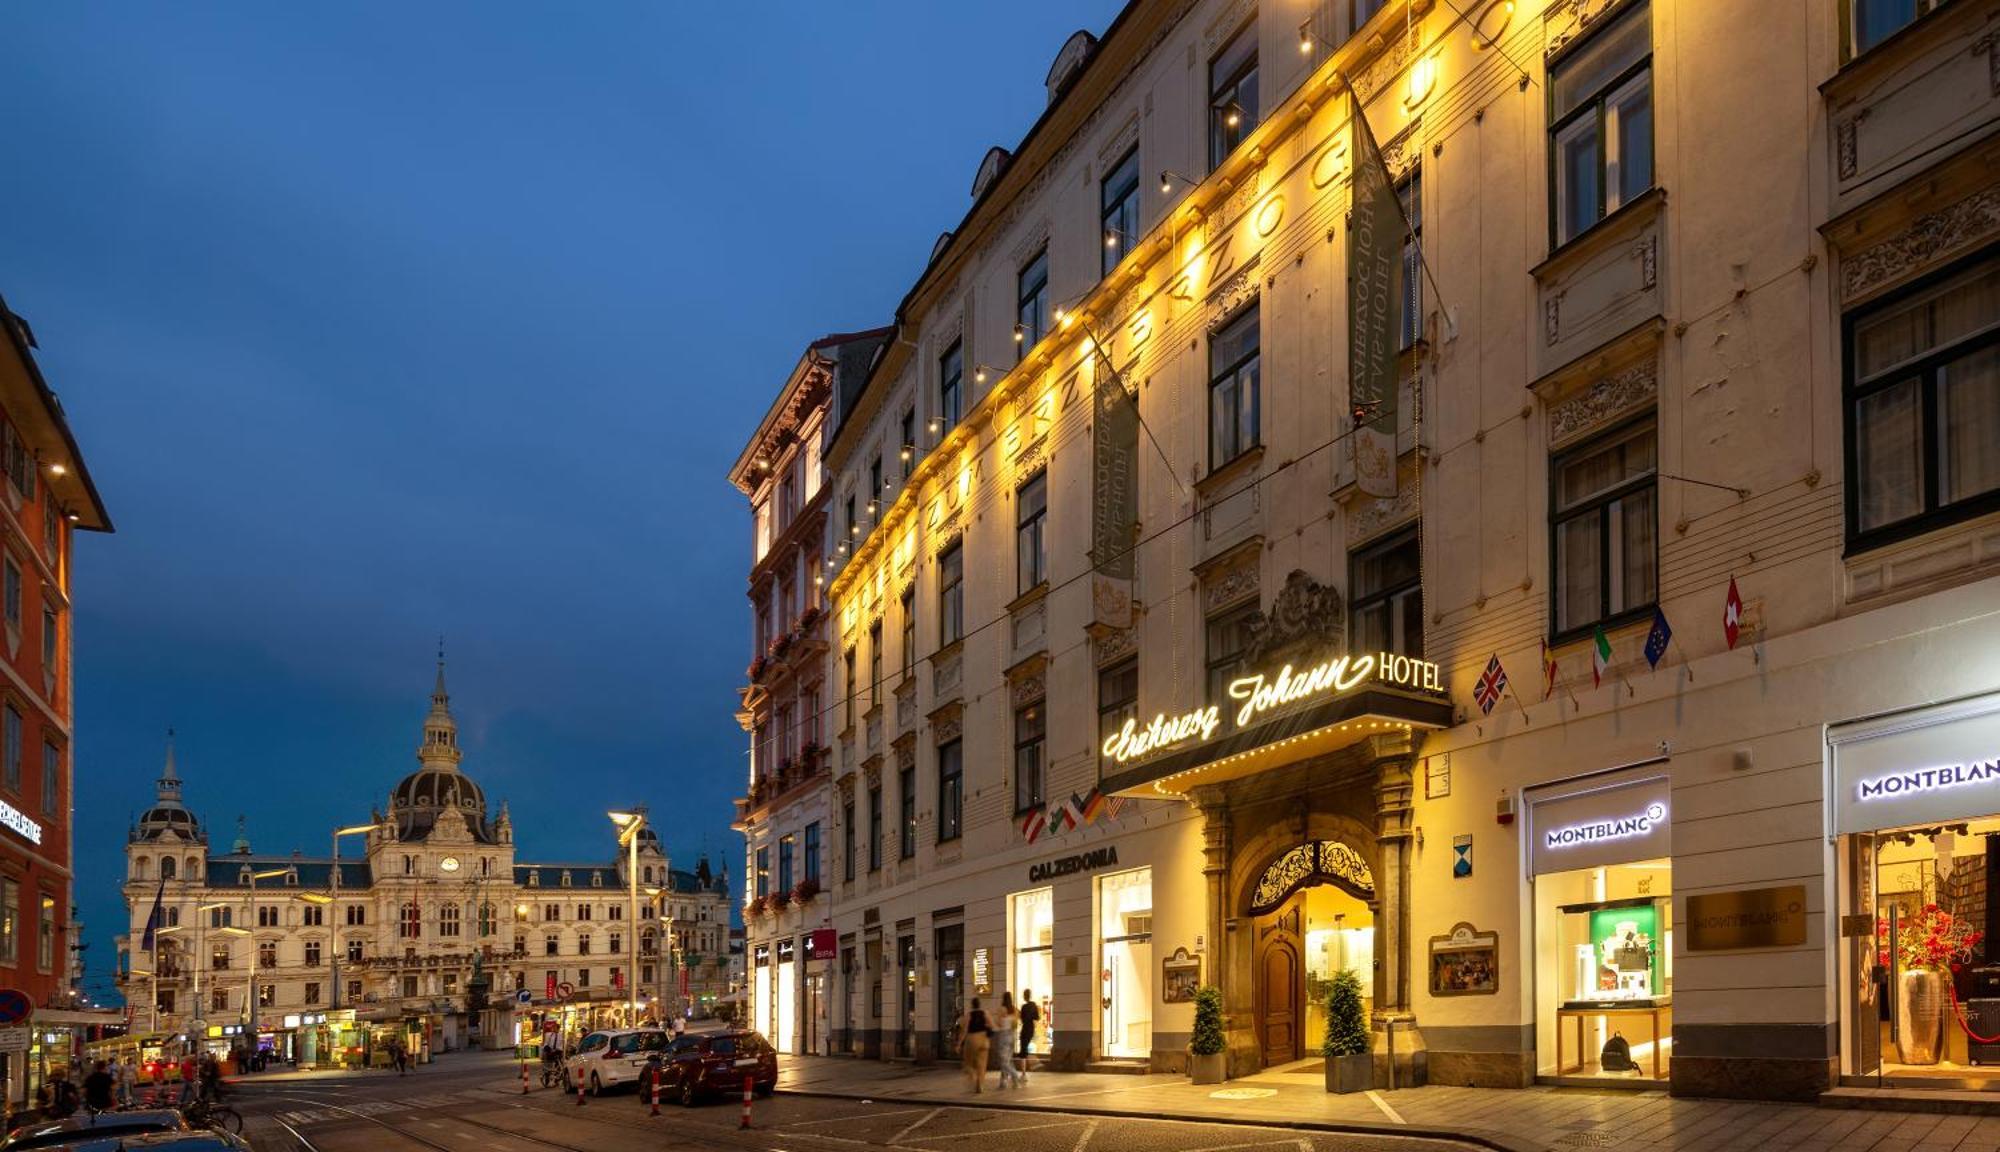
x=791, y=776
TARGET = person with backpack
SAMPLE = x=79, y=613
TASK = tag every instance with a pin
x=975, y=1042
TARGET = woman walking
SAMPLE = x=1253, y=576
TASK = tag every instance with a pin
x=975, y=1041
x=1006, y=1031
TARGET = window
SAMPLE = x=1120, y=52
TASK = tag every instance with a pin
x=951, y=791
x=1870, y=22
x=217, y=917
x=811, y=863
x=51, y=526
x=1232, y=388
x=551, y=912
x=218, y=1000
x=875, y=665
x=583, y=943
x=48, y=641
x=764, y=871
x=357, y=915
x=51, y=779
x=847, y=665
x=1118, y=209
x=1365, y=10
x=218, y=956
x=412, y=925
x=1923, y=407
x=788, y=497
x=875, y=484
x=1032, y=311
x=268, y=916
x=583, y=977
x=1117, y=697
x=353, y=991
x=1385, y=582
x=906, y=788
x=267, y=995
x=847, y=837
x=853, y=525
x=909, y=448
x=13, y=593
x=356, y=950
x=951, y=595
x=312, y=916
x=45, y=934
x=786, y=847
x=448, y=921
x=10, y=732
x=909, y=630
x=1232, y=94
x=1601, y=117
x=1410, y=324
x=20, y=464
x=551, y=944
x=874, y=827
x=312, y=948
x=267, y=954
x=1030, y=548
x=615, y=911
x=1228, y=641
x=951, y=387
x=312, y=991
x=1606, y=555
x=1030, y=787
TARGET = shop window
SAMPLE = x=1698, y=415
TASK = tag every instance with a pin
x=1117, y=698
x=1125, y=935
x=1601, y=122
x=1232, y=94
x=1923, y=408
x=1228, y=637
x=1030, y=784
x=1605, y=530
x=951, y=791
x=1387, y=596
x=1234, y=387
x=1031, y=941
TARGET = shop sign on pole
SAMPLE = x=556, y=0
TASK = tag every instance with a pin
x=15, y=1039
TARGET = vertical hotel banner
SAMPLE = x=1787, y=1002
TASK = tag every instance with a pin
x=1375, y=232
x=1114, y=495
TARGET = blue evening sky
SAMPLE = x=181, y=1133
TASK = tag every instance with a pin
x=380, y=320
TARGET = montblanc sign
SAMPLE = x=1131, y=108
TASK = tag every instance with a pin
x=1614, y=829
x=1928, y=780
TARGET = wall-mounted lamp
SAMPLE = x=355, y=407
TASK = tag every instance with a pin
x=1232, y=114
x=1167, y=178
x=57, y=470
x=979, y=373
x=1020, y=332
x=1305, y=38
x=909, y=450
x=934, y=425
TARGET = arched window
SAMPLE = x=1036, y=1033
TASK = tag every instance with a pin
x=166, y=867
x=648, y=942
x=411, y=927
x=648, y=872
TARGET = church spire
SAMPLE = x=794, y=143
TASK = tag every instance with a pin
x=440, y=745
x=170, y=780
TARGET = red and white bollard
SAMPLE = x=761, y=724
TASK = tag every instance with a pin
x=749, y=1081
x=524, y=1077
x=656, y=1093
x=579, y=1091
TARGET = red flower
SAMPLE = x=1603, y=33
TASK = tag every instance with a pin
x=1930, y=908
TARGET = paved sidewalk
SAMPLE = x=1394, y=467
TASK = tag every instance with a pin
x=1524, y=1120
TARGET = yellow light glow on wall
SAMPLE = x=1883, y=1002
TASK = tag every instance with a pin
x=1330, y=165
x=1270, y=215
x=964, y=486
x=1423, y=77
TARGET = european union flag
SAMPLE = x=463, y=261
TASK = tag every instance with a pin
x=1658, y=638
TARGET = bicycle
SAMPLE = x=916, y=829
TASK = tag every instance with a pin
x=554, y=1073
x=219, y=1117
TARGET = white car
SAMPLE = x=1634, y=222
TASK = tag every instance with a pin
x=607, y=1060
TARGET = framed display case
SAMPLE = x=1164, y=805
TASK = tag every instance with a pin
x=1614, y=953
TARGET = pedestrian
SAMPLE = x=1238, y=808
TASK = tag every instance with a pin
x=128, y=1082
x=1006, y=1034
x=188, y=1070
x=62, y=1097
x=100, y=1088
x=1031, y=1015
x=975, y=1041
x=680, y=1026
x=210, y=1090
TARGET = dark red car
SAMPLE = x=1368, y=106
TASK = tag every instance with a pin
x=715, y=1064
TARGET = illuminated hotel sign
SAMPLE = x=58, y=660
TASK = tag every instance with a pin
x=1257, y=695
x=1598, y=830
x=14, y=818
x=1928, y=780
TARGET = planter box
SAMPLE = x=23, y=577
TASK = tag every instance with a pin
x=1213, y=1069
x=1350, y=1073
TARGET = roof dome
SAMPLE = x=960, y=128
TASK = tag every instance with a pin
x=438, y=786
x=168, y=814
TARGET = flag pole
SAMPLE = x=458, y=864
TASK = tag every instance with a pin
x=1686, y=664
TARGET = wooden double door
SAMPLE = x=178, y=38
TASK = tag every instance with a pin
x=1281, y=982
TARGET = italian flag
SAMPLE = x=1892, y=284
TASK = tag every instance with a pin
x=1600, y=656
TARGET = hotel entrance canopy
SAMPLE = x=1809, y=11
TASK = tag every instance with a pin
x=1274, y=718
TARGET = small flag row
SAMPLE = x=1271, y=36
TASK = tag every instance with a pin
x=1066, y=815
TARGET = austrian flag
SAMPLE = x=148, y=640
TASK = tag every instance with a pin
x=1033, y=825
x=1492, y=685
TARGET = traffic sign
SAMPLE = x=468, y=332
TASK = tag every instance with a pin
x=524, y=997
x=15, y=1005
x=15, y=1039
x=565, y=989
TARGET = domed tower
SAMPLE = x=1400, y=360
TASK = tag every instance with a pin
x=437, y=786
x=168, y=819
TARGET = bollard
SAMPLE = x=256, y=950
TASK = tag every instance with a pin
x=656, y=1093
x=749, y=1081
x=579, y=1091
x=524, y=1077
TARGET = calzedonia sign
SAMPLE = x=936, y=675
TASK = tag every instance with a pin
x=1252, y=698
x=1103, y=857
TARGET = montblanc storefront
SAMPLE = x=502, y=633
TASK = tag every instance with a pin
x=1914, y=817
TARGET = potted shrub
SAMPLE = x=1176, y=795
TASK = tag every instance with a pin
x=1349, y=1068
x=1208, y=1048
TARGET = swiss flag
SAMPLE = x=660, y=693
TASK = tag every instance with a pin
x=1732, y=614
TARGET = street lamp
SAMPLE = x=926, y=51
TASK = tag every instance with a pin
x=628, y=824
x=195, y=1012
x=153, y=980
x=653, y=901
x=250, y=1004
x=339, y=944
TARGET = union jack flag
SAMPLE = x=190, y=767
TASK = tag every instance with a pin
x=1492, y=685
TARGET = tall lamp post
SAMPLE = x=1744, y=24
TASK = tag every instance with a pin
x=628, y=824
x=250, y=1004
x=333, y=901
x=195, y=1009
x=153, y=981
x=652, y=903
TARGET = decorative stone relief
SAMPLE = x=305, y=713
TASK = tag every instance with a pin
x=1030, y=685
x=1648, y=253
x=1226, y=22
x=1235, y=292
x=906, y=704
x=1990, y=45
x=1927, y=239
x=1399, y=153
x=1306, y=616
x=1115, y=644
x=1552, y=318
x=872, y=772
x=1843, y=138
x=1241, y=197
x=1569, y=19
x=1384, y=69
x=946, y=674
x=947, y=723
x=1230, y=586
x=1606, y=398
x=1117, y=144
x=906, y=755
x=1376, y=517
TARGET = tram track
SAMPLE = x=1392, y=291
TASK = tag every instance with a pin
x=703, y=1135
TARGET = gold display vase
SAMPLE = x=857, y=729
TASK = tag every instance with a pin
x=1920, y=1016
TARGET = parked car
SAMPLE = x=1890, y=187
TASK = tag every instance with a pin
x=607, y=1060
x=715, y=1064
x=83, y=1127
x=201, y=1140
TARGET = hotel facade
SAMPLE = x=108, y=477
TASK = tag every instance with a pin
x=1537, y=547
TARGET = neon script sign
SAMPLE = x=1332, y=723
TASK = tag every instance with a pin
x=1598, y=831
x=1260, y=694
x=1928, y=780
